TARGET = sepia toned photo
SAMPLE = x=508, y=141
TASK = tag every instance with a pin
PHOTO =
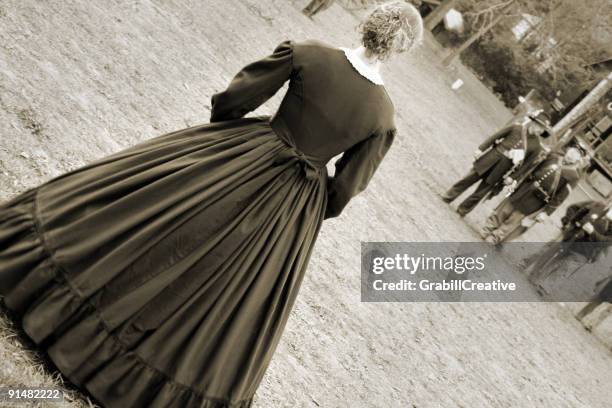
x=306, y=203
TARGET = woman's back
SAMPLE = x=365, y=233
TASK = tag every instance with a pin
x=164, y=274
x=329, y=106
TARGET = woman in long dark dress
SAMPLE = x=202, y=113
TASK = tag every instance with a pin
x=163, y=275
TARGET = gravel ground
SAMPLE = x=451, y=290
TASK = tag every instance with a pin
x=80, y=80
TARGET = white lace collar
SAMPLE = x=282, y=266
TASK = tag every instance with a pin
x=365, y=71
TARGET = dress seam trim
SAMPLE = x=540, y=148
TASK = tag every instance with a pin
x=60, y=270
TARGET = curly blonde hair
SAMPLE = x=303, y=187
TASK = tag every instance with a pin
x=392, y=27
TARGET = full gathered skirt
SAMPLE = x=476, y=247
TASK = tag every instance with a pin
x=163, y=275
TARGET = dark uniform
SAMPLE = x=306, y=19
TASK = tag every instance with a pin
x=594, y=213
x=604, y=295
x=584, y=223
x=491, y=167
x=543, y=190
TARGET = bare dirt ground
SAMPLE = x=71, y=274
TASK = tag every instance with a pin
x=80, y=80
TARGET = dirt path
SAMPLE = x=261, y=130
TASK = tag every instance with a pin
x=79, y=80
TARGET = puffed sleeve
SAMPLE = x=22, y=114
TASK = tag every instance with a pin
x=355, y=169
x=253, y=85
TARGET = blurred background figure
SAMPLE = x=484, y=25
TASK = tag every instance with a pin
x=511, y=149
x=535, y=197
x=584, y=225
x=316, y=6
x=604, y=295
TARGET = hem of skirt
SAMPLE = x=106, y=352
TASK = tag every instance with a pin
x=201, y=400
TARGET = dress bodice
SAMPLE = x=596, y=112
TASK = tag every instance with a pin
x=329, y=108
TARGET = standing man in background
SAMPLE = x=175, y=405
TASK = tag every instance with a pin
x=586, y=237
x=316, y=6
x=515, y=146
x=537, y=197
x=604, y=295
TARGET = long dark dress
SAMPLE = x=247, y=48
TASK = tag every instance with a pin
x=163, y=275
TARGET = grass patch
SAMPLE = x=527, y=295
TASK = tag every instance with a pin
x=23, y=366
